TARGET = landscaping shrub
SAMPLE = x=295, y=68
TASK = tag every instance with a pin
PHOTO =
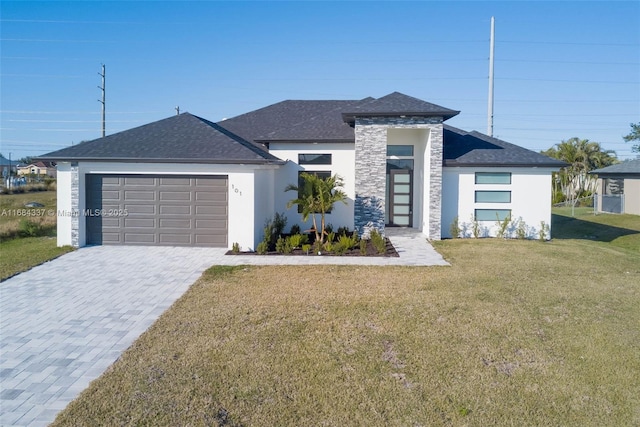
x=283, y=245
x=454, y=228
x=29, y=228
x=263, y=248
x=297, y=240
x=295, y=229
x=273, y=229
x=378, y=241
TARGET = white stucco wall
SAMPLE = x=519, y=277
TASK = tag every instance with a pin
x=530, y=199
x=632, y=196
x=342, y=163
x=249, y=187
x=63, y=195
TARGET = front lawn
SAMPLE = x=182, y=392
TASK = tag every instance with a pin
x=22, y=254
x=513, y=333
x=27, y=235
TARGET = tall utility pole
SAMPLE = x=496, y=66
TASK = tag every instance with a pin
x=490, y=107
x=102, y=101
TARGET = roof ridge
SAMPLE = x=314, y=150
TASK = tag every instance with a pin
x=237, y=138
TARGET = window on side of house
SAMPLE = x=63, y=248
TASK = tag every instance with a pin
x=314, y=159
x=613, y=186
x=492, y=214
x=320, y=174
x=493, y=177
x=493, y=196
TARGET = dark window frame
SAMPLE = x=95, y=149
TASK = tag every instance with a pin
x=317, y=159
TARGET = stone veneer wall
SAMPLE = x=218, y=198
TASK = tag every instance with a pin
x=75, y=206
x=371, y=164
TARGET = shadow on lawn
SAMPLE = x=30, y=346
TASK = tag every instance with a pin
x=565, y=227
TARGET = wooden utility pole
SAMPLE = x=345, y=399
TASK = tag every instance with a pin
x=490, y=107
x=102, y=101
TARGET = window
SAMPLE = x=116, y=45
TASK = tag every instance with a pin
x=321, y=174
x=613, y=186
x=493, y=177
x=493, y=196
x=400, y=150
x=314, y=159
x=492, y=214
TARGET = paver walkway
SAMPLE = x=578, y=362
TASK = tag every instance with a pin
x=63, y=323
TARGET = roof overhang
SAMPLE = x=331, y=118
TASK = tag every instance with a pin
x=351, y=117
x=164, y=160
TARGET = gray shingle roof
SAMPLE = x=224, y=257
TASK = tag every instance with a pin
x=630, y=167
x=468, y=149
x=397, y=104
x=180, y=138
x=294, y=120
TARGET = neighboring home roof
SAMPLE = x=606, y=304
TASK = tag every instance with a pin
x=183, y=138
x=397, y=104
x=469, y=149
x=629, y=167
x=5, y=162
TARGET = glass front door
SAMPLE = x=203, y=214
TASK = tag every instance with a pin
x=400, y=197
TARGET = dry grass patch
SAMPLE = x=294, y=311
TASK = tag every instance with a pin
x=515, y=333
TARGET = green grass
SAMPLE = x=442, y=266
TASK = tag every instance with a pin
x=513, y=333
x=19, y=254
x=621, y=231
x=22, y=254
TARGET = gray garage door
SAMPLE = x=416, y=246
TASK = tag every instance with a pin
x=157, y=210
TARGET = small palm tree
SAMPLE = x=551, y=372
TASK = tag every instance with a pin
x=317, y=195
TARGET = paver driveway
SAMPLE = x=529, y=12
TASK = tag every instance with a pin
x=64, y=322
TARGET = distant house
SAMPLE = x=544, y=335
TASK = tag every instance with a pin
x=186, y=180
x=6, y=165
x=38, y=168
x=619, y=188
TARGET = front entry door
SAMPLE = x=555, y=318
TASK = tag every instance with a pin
x=400, y=197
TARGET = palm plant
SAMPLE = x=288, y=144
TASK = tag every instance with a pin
x=582, y=156
x=317, y=195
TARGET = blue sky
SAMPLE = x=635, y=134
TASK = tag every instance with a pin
x=562, y=69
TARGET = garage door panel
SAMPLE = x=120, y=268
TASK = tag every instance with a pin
x=212, y=210
x=161, y=210
x=110, y=180
x=183, y=196
x=145, y=181
x=139, y=195
x=175, y=239
x=184, y=224
x=175, y=181
x=140, y=209
x=139, y=223
x=213, y=181
x=209, y=196
x=139, y=238
x=175, y=210
x=111, y=222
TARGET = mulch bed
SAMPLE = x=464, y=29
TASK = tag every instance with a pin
x=390, y=252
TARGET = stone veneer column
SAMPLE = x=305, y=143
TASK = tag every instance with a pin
x=371, y=165
x=435, y=181
x=75, y=205
x=370, y=179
